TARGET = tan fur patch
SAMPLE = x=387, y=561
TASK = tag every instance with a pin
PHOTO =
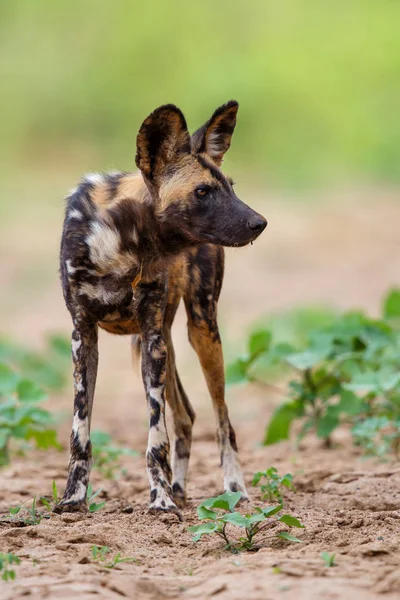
x=122, y=327
x=132, y=186
x=182, y=183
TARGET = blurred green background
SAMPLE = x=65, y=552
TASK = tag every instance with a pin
x=318, y=82
x=317, y=143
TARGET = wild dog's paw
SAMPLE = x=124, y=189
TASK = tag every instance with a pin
x=160, y=501
x=179, y=495
x=65, y=506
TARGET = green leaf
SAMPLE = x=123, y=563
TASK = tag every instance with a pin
x=307, y=359
x=15, y=510
x=268, y=511
x=327, y=423
x=28, y=391
x=287, y=480
x=45, y=503
x=374, y=381
x=8, y=379
x=90, y=495
x=61, y=345
x=203, y=529
x=259, y=342
x=290, y=521
x=236, y=372
x=350, y=403
x=100, y=438
x=225, y=501
x=45, y=439
x=255, y=518
x=235, y=519
x=286, y=536
x=55, y=491
x=257, y=477
x=391, y=306
x=279, y=425
x=205, y=513
x=364, y=382
x=328, y=558
x=94, y=507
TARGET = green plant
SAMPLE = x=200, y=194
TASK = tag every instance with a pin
x=377, y=435
x=27, y=515
x=93, y=506
x=6, y=561
x=273, y=487
x=329, y=559
x=23, y=377
x=47, y=369
x=219, y=519
x=99, y=553
x=54, y=499
x=346, y=371
x=106, y=455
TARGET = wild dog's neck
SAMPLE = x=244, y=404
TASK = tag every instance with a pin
x=141, y=231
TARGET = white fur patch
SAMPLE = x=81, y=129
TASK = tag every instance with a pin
x=104, y=244
x=94, y=178
x=232, y=471
x=134, y=236
x=79, y=494
x=70, y=269
x=75, y=214
x=79, y=385
x=179, y=469
x=80, y=427
x=97, y=292
x=156, y=393
x=75, y=345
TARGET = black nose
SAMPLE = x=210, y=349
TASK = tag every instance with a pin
x=257, y=223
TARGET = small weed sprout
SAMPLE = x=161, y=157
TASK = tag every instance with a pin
x=99, y=553
x=219, y=518
x=94, y=506
x=27, y=515
x=55, y=499
x=106, y=455
x=272, y=489
x=7, y=561
x=329, y=559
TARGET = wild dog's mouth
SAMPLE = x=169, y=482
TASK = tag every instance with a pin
x=227, y=244
x=234, y=243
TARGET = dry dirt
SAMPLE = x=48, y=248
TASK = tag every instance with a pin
x=342, y=250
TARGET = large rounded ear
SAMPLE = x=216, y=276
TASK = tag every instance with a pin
x=215, y=136
x=162, y=139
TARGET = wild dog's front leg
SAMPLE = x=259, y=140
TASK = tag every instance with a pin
x=85, y=359
x=154, y=364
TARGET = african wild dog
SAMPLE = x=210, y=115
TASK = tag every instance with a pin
x=133, y=245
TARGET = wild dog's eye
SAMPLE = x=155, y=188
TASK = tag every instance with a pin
x=202, y=191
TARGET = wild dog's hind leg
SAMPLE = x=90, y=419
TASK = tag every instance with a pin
x=154, y=372
x=205, y=272
x=85, y=360
x=183, y=416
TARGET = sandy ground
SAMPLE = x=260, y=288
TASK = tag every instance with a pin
x=340, y=250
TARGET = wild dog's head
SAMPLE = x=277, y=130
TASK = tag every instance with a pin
x=191, y=194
